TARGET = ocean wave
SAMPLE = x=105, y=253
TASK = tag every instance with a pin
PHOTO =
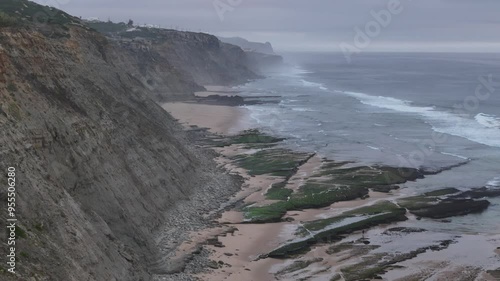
x=494, y=182
x=313, y=84
x=455, y=155
x=295, y=72
x=302, y=109
x=441, y=121
x=263, y=115
x=489, y=121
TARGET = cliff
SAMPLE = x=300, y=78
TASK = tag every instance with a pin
x=102, y=170
x=260, y=63
x=263, y=48
x=260, y=56
x=199, y=56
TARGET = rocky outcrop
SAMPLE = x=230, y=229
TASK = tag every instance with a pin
x=263, y=48
x=102, y=170
x=262, y=63
x=260, y=56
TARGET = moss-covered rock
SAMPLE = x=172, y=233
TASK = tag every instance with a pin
x=443, y=203
x=332, y=229
x=279, y=192
x=250, y=137
x=477, y=193
x=298, y=265
x=333, y=183
x=308, y=197
x=370, y=267
x=277, y=162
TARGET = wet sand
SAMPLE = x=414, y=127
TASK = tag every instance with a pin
x=219, y=119
x=226, y=120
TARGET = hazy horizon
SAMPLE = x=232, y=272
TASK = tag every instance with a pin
x=396, y=25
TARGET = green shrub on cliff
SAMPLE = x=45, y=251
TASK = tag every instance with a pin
x=15, y=12
x=108, y=27
x=6, y=20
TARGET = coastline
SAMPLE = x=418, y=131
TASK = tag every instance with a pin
x=217, y=118
x=238, y=253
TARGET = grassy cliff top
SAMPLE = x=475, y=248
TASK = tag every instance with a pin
x=24, y=12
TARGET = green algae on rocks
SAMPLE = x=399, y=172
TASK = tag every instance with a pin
x=442, y=203
x=332, y=229
x=332, y=183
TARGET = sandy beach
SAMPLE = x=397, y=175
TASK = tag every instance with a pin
x=226, y=120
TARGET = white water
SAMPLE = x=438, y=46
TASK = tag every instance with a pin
x=494, y=182
x=484, y=130
x=488, y=121
x=313, y=84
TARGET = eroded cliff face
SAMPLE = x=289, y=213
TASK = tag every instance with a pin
x=260, y=57
x=100, y=164
x=206, y=58
x=199, y=56
x=261, y=63
x=262, y=48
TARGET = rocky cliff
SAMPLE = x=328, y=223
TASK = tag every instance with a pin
x=260, y=57
x=201, y=57
x=102, y=170
x=263, y=48
x=261, y=63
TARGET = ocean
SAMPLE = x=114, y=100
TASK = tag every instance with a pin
x=429, y=110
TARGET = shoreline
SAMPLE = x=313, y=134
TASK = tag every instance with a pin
x=238, y=254
x=218, y=119
x=218, y=116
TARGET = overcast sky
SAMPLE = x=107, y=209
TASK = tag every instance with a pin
x=316, y=25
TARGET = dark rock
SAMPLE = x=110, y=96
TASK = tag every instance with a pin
x=477, y=193
x=449, y=208
x=213, y=265
x=298, y=265
x=404, y=230
x=212, y=241
x=219, y=245
x=385, y=188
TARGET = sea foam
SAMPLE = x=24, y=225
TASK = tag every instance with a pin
x=489, y=121
x=441, y=121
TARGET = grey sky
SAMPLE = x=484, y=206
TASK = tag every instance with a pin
x=320, y=25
